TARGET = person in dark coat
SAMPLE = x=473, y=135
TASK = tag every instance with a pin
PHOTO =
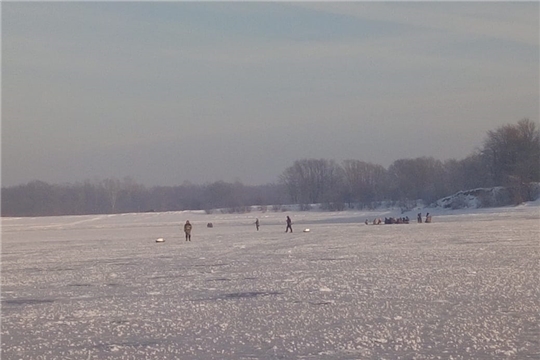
x=289, y=224
x=419, y=218
x=187, y=230
x=257, y=224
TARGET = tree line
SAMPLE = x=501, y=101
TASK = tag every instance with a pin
x=509, y=157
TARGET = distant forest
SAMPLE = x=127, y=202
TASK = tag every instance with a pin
x=509, y=157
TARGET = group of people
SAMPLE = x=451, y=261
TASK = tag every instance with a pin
x=188, y=227
x=288, y=221
x=419, y=218
x=400, y=220
x=377, y=221
x=390, y=220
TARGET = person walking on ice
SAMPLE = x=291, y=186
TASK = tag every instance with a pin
x=257, y=224
x=187, y=230
x=289, y=224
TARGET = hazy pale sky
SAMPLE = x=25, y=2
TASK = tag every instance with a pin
x=167, y=92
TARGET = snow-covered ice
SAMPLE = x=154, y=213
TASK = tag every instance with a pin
x=99, y=287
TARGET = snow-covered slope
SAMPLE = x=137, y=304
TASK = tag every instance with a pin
x=485, y=197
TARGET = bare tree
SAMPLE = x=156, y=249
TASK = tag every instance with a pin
x=112, y=186
x=420, y=178
x=468, y=173
x=313, y=180
x=513, y=150
x=512, y=154
x=364, y=182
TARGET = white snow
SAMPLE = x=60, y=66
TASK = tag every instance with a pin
x=465, y=286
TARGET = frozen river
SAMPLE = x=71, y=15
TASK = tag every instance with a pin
x=99, y=287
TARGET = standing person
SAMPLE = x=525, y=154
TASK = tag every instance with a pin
x=257, y=224
x=289, y=224
x=187, y=230
x=419, y=218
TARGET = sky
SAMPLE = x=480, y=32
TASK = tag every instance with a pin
x=174, y=92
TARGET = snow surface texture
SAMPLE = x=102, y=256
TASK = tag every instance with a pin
x=465, y=286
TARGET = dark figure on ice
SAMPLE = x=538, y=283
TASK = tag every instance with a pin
x=257, y=224
x=289, y=224
x=428, y=218
x=187, y=230
x=419, y=218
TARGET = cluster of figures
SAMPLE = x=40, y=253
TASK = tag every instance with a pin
x=400, y=220
x=419, y=218
x=188, y=227
x=288, y=221
x=390, y=220
x=378, y=221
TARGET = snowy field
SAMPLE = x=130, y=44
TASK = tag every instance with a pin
x=99, y=287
